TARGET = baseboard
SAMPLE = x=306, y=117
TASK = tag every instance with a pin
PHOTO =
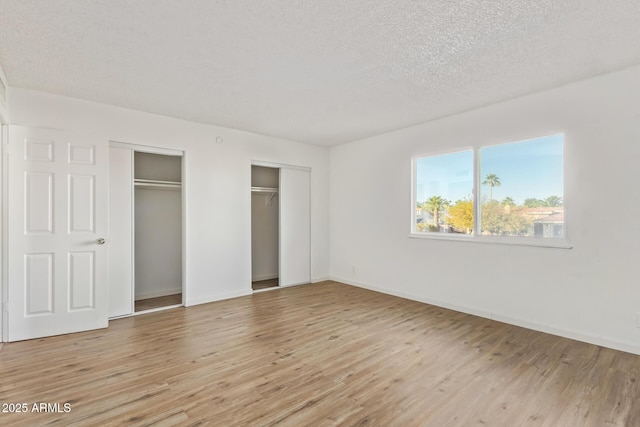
x=320, y=279
x=540, y=327
x=264, y=277
x=156, y=294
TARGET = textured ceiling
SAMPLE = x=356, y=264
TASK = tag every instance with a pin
x=323, y=72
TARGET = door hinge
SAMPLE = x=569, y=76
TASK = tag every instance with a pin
x=5, y=307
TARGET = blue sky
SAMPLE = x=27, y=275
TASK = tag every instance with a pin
x=531, y=168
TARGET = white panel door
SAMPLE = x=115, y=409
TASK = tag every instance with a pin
x=120, y=231
x=57, y=214
x=295, y=227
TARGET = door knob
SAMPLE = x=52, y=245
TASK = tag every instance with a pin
x=101, y=241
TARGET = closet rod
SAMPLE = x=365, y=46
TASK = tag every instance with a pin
x=264, y=190
x=155, y=181
x=158, y=185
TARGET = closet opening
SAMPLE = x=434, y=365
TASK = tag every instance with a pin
x=158, y=231
x=265, y=229
x=146, y=223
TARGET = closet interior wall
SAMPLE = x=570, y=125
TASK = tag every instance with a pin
x=265, y=225
x=158, y=225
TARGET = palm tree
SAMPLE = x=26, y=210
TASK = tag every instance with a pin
x=491, y=180
x=553, y=201
x=508, y=201
x=435, y=204
x=532, y=202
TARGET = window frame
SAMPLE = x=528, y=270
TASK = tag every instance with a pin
x=476, y=237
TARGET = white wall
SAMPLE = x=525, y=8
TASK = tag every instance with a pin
x=4, y=298
x=590, y=292
x=217, y=182
x=4, y=119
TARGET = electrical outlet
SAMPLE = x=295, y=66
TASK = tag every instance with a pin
x=353, y=270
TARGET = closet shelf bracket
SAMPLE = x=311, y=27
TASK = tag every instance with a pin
x=269, y=191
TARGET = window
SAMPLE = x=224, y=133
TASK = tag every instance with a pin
x=519, y=187
x=443, y=182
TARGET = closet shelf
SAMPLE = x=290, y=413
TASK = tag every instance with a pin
x=152, y=183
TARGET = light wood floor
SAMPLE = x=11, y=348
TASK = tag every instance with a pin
x=151, y=303
x=319, y=355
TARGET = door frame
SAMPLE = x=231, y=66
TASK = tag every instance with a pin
x=183, y=195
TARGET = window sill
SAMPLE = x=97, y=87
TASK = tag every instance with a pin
x=491, y=240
